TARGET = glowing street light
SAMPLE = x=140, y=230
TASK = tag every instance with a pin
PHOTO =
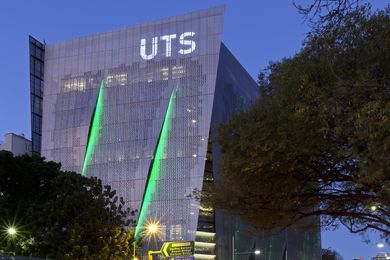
x=152, y=228
x=373, y=207
x=256, y=252
x=11, y=231
x=380, y=245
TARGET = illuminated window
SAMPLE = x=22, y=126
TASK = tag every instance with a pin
x=120, y=157
x=178, y=72
x=176, y=232
x=116, y=79
x=109, y=79
x=149, y=76
x=76, y=84
x=121, y=78
x=206, y=209
x=164, y=73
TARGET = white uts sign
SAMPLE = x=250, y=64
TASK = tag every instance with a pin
x=188, y=45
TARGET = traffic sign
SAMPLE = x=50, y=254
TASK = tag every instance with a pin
x=180, y=248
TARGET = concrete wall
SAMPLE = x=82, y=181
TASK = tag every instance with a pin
x=16, y=144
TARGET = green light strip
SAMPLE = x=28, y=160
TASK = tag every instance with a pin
x=155, y=167
x=94, y=129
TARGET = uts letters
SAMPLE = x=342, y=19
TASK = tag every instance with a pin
x=183, y=40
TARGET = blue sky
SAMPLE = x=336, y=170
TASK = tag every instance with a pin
x=257, y=32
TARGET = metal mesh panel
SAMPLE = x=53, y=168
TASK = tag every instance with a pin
x=136, y=94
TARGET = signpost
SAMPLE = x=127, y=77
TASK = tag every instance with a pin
x=182, y=248
x=175, y=249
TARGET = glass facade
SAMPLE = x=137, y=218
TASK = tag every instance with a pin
x=37, y=57
x=135, y=106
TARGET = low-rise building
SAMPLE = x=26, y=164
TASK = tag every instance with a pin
x=17, y=144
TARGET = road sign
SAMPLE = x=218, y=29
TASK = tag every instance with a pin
x=180, y=248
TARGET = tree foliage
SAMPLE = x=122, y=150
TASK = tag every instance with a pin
x=329, y=254
x=318, y=141
x=60, y=215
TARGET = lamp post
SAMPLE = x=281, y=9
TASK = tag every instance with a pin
x=152, y=229
x=234, y=253
x=256, y=252
x=134, y=245
x=11, y=233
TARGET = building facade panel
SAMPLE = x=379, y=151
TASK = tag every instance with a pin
x=117, y=104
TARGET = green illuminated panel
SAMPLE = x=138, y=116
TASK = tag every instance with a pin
x=154, y=170
x=94, y=129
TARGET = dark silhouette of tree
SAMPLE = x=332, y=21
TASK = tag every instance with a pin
x=322, y=13
x=59, y=215
x=329, y=254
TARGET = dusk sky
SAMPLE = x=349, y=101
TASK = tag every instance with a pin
x=256, y=32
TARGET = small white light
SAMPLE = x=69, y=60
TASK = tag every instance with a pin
x=189, y=110
x=193, y=121
x=194, y=155
x=202, y=139
x=257, y=252
x=380, y=245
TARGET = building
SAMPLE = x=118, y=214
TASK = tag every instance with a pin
x=16, y=144
x=137, y=107
x=381, y=256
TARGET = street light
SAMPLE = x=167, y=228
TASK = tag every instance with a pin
x=235, y=253
x=256, y=252
x=11, y=231
x=380, y=245
x=134, y=245
x=153, y=228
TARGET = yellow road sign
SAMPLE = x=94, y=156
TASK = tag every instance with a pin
x=179, y=248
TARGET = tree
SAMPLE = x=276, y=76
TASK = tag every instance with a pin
x=317, y=144
x=329, y=254
x=60, y=215
x=322, y=14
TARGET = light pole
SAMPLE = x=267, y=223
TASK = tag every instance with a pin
x=234, y=253
x=256, y=252
x=152, y=229
x=134, y=245
x=11, y=233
